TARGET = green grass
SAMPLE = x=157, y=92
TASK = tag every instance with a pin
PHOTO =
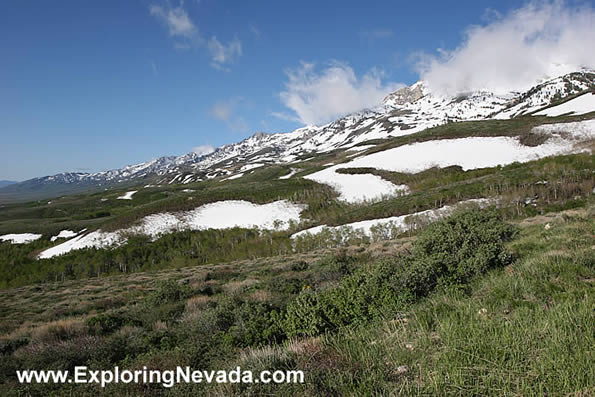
x=524, y=329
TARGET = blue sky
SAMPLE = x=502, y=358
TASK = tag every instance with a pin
x=95, y=85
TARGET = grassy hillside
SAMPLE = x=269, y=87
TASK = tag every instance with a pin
x=511, y=315
x=496, y=301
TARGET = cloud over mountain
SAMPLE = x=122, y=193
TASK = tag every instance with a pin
x=514, y=51
x=319, y=96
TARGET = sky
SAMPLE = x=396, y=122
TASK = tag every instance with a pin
x=87, y=86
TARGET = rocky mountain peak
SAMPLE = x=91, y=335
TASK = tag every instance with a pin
x=405, y=95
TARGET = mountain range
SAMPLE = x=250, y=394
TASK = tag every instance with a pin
x=405, y=111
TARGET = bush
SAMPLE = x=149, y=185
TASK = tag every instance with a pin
x=167, y=292
x=448, y=253
x=456, y=249
x=104, y=323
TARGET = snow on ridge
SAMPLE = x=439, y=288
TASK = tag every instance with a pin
x=127, y=195
x=577, y=106
x=218, y=215
x=399, y=222
x=20, y=238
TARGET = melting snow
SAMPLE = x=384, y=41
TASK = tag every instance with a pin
x=96, y=239
x=236, y=176
x=292, y=173
x=579, y=105
x=474, y=152
x=21, y=238
x=249, y=167
x=64, y=234
x=579, y=130
x=400, y=222
x=128, y=195
x=356, y=188
x=218, y=215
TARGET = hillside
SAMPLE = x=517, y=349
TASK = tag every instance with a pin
x=470, y=336
x=430, y=246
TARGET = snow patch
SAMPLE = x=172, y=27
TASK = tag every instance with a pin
x=249, y=167
x=219, y=215
x=21, y=238
x=475, y=152
x=127, y=195
x=236, y=176
x=579, y=105
x=63, y=234
x=96, y=239
x=359, y=187
x=402, y=223
x=292, y=173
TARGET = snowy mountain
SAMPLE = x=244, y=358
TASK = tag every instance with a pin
x=406, y=111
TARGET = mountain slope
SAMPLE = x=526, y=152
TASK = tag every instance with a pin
x=406, y=111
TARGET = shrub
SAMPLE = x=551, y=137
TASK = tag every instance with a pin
x=456, y=249
x=447, y=253
x=104, y=323
x=168, y=291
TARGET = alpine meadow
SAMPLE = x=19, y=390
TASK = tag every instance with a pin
x=426, y=227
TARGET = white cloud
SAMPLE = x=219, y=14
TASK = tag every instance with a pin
x=176, y=19
x=224, y=111
x=181, y=26
x=224, y=53
x=318, y=97
x=203, y=149
x=513, y=52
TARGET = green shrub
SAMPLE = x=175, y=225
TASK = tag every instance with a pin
x=448, y=253
x=167, y=292
x=456, y=249
x=104, y=323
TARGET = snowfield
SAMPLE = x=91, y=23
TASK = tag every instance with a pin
x=469, y=153
x=63, y=234
x=578, y=130
x=476, y=152
x=580, y=105
x=21, y=238
x=128, y=195
x=218, y=215
x=96, y=239
x=402, y=223
x=222, y=215
x=357, y=188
